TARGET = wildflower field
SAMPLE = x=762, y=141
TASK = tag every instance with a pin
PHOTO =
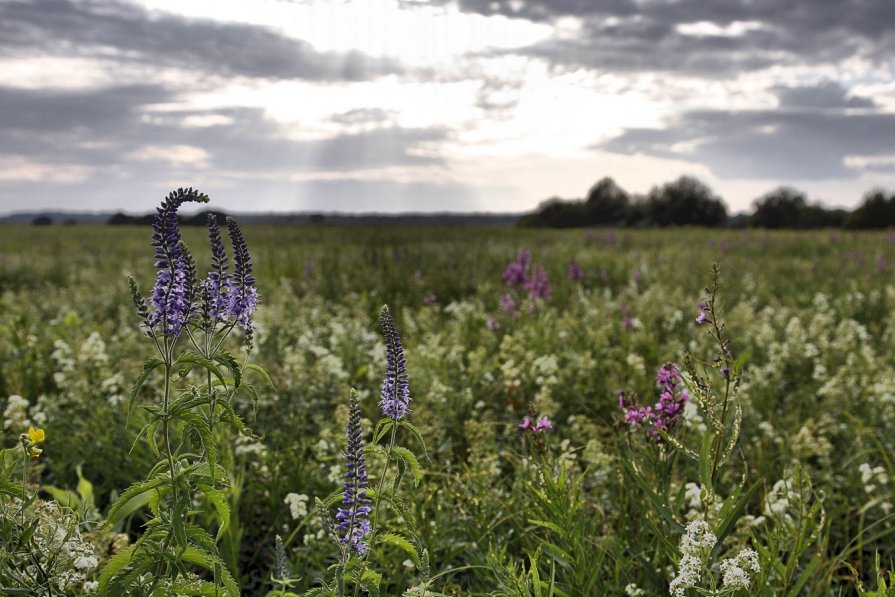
x=534, y=412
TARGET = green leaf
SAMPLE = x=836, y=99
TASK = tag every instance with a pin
x=221, y=506
x=148, y=367
x=264, y=375
x=126, y=502
x=401, y=543
x=85, y=489
x=369, y=581
x=410, y=460
x=191, y=358
x=705, y=460
x=417, y=434
x=731, y=511
x=226, y=359
x=213, y=564
x=653, y=497
x=382, y=427
x=65, y=497
x=113, y=566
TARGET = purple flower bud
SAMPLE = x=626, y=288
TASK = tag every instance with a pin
x=356, y=505
x=395, y=396
x=172, y=293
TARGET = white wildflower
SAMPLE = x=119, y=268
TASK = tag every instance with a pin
x=298, y=505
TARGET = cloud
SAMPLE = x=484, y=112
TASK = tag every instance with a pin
x=791, y=142
x=826, y=94
x=719, y=38
x=122, y=33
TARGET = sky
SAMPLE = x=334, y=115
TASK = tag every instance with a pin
x=442, y=105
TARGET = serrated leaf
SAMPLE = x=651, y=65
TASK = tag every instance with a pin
x=401, y=543
x=410, y=460
x=113, y=566
x=227, y=360
x=213, y=564
x=417, y=434
x=221, y=506
x=369, y=581
x=135, y=491
x=191, y=358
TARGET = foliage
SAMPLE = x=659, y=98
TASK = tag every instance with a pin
x=798, y=468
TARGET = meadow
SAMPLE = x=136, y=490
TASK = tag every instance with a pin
x=542, y=455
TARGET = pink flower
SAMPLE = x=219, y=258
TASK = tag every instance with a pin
x=526, y=424
x=543, y=424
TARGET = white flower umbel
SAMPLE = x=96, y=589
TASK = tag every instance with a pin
x=737, y=570
x=697, y=541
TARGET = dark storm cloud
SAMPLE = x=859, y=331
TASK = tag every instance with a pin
x=826, y=94
x=93, y=28
x=624, y=35
x=778, y=144
x=106, y=128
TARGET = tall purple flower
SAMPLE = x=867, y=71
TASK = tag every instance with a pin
x=171, y=297
x=670, y=407
x=664, y=414
x=395, y=397
x=516, y=273
x=538, y=284
x=575, y=271
x=352, y=517
x=219, y=291
x=245, y=295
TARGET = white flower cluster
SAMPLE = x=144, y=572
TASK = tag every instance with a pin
x=737, y=570
x=876, y=482
x=698, y=539
x=298, y=505
x=15, y=416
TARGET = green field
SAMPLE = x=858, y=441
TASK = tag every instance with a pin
x=589, y=507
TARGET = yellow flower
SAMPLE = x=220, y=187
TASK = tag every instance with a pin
x=36, y=435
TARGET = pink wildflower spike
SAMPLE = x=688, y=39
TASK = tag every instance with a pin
x=543, y=424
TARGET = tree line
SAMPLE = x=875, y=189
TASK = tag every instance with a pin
x=689, y=202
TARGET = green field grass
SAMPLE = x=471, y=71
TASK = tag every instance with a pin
x=591, y=507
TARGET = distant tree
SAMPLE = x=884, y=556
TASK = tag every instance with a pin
x=556, y=213
x=780, y=208
x=42, y=221
x=317, y=218
x=877, y=211
x=685, y=202
x=607, y=204
x=816, y=216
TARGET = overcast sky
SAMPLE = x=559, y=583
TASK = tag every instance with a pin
x=476, y=105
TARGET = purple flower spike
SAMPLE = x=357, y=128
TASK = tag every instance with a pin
x=516, y=274
x=395, y=397
x=245, y=295
x=538, y=284
x=575, y=271
x=664, y=414
x=219, y=290
x=171, y=297
x=352, y=516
